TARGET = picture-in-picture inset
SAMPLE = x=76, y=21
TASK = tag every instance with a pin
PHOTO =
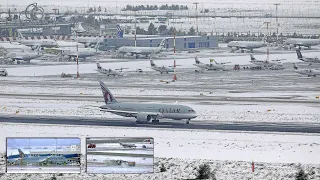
x=43, y=155
x=120, y=155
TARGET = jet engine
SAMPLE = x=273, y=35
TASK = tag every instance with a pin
x=87, y=45
x=34, y=47
x=234, y=48
x=141, y=117
x=292, y=45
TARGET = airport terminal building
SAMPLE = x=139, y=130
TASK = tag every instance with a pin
x=182, y=42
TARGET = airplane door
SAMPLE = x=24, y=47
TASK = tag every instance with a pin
x=192, y=45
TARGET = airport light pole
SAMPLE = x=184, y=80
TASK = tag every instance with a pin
x=196, y=3
x=267, y=39
x=135, y=28
x=174, y=56
x=277, y=4
x=78, y=74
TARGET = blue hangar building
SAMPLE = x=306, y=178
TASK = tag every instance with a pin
x=182, y=42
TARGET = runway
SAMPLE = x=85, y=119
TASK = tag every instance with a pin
x=203, y=125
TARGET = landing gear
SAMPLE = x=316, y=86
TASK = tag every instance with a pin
x=188, y=121
x=155, y=121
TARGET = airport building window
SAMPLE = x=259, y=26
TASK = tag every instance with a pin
x=185, y=45
x=207, y=37
x=185, y=39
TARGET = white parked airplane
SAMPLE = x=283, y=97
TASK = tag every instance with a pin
x=33, y=43
x=86, y=41
x=62, y=44
x=20, y=56
x=212, y=66
x=161, y=69
x=294, y=42
x=306, y=59
x=249, y=45
x=273, y=64
x=13, y=46
x=132, y=50
x=308, y=72
x=145, y=112
x=127, y=145
x=82, y=53
x=109, y=72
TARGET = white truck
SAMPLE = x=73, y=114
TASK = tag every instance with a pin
x=3, y=72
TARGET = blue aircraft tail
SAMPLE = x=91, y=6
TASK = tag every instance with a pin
x=120, y=31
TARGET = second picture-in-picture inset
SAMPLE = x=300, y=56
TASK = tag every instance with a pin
x=120, y=155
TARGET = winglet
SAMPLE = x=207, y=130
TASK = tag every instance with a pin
x=108, y=97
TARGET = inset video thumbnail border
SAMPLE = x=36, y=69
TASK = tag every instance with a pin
x=120, y=155
x=43, y=154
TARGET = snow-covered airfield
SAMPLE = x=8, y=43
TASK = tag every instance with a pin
x=265, y=99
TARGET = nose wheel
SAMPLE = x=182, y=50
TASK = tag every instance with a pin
x=188, y=121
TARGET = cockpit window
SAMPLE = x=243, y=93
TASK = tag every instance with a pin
x=191, y=110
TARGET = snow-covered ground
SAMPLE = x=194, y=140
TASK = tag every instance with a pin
x=228, y=153
x=261, y=147
x=230, y=112
x=150, y=91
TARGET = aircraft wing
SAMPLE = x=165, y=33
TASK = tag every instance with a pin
x=132, y=113
x=136, y=51
x=299, y=43
x=60, y=49
x=279, y=60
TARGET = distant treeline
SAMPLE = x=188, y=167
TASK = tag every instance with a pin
x=155, y=7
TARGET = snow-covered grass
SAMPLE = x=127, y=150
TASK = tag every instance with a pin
x=187, y=169
x=190, y=144
x=152, y=91
x=182, y=151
